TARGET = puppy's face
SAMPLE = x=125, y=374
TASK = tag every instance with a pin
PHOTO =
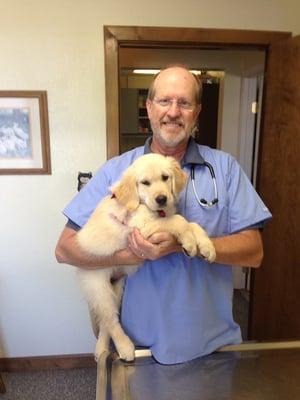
x=153, y=180
x=154, y=186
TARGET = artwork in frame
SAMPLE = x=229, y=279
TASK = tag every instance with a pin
x=24, y=133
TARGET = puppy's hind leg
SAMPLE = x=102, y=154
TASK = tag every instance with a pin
x=94, y=322
x=124, y=345
x=103, y=342
x=105, y=304
x=102, y=336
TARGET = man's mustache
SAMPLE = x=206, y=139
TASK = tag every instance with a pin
x=172, y=121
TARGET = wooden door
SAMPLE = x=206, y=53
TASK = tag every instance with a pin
x=275, y=297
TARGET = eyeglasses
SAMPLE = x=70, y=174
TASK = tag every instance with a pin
x=181, y=103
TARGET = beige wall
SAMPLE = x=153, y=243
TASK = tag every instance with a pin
x=58, y=46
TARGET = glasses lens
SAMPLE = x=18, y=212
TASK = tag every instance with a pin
x=182, y=104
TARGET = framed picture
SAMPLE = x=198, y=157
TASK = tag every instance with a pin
x=24, y=133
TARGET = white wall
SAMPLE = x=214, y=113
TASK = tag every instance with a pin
x=58, y=46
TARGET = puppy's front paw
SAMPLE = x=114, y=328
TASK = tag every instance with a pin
x=189, y=245
x=207, y=250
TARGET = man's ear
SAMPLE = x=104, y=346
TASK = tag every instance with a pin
x=179, y=178
x=126, y=192
x=198, y=110
x=149, y=108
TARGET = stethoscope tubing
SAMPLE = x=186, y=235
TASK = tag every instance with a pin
x=203, y=202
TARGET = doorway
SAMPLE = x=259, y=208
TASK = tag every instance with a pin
x=118, y=38
x=225, y=98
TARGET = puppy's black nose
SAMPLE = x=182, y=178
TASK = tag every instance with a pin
x=161, y=200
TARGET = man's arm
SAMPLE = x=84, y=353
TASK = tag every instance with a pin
x=243, y=249
x=68, y=251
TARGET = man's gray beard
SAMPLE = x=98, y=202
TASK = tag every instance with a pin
x=170, y=140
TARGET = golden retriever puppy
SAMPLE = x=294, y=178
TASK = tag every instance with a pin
x=144, y=198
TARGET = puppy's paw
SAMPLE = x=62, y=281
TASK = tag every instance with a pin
x=207, y=249
x=189, y=244
x=125, y=349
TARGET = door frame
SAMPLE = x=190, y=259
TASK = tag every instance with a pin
x=116, y=37
x=165, y=37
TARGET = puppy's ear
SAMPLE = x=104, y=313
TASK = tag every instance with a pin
x=179, y=179
x=126, y=192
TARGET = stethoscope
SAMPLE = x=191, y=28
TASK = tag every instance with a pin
x=202, y=202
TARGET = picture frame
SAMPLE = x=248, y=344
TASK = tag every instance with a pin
x=24, y=133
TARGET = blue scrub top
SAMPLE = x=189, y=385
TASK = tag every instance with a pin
x=179, y=307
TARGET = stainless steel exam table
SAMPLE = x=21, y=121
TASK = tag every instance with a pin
x=250, y=371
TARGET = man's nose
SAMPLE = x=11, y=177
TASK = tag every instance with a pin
x=174, y=109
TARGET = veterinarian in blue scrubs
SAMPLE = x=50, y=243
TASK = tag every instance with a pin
x=179, y=307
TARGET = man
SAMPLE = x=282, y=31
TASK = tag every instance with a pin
x=179, y=307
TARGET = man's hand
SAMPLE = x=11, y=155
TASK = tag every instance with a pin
x=156, y=246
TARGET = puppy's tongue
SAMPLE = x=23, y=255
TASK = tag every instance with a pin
x=161, y=213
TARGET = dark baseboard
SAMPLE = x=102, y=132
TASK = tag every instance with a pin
x=47, y=362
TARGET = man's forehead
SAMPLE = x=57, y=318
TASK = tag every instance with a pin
x=174, y=79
